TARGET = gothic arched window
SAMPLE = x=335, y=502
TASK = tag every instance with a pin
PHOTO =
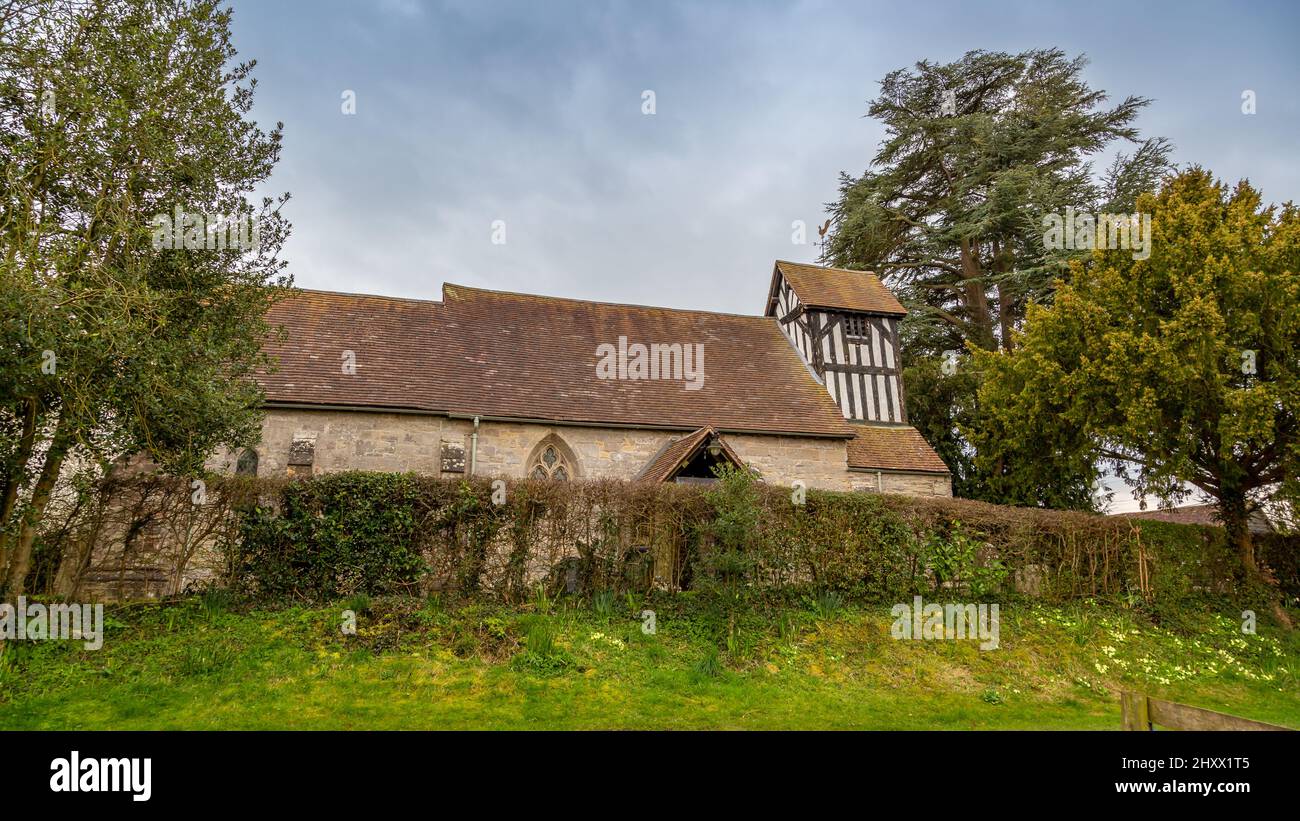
x=247, y=464
x=552, y=459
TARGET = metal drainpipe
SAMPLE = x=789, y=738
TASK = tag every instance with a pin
x=473, y=448
x=880, y=482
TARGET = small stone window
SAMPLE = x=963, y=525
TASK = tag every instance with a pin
x=247, y=464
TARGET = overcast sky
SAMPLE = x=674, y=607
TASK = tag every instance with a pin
x=531, y=113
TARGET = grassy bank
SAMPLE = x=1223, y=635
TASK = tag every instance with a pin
x=205, y=663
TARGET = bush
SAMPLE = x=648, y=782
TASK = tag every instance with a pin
x=1281, y=556
x=827, y=604
x=337, y=534
x=542, y=652
x=329, y=537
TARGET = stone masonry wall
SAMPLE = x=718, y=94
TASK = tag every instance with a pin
x=781, y=460
x=602, y=453
x=908, y=484
x=351, y=440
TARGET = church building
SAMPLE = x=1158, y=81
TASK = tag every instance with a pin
x=496, y=384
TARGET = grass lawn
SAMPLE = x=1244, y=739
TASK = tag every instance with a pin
x=201, y=663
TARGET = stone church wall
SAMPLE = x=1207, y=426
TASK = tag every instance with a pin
x=819, y=463
x=304, y=442
x=909, y=484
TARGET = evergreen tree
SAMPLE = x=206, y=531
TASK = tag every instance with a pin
x=951, y=213
x=115, y=117
x=1183, y=367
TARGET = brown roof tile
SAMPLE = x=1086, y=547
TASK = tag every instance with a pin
x=520, y=356
x=877, y=447
x=394, y=343
x=1203, y=514
x=819, y=287
x=1187, y=515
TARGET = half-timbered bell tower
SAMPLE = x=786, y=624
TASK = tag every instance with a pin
x=845, y=326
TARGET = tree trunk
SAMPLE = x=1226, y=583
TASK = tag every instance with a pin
x=73, y=566
x=21, y=561
x=1236, y=520
x=976, y=299
x=1235, y=512
x=13, y=479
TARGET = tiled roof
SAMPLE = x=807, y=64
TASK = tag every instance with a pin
x=1187, y=515
x=677, y=453
x=518, y=356
x=876, y=447
x=1205, y=514
x=393, y=343
x=819, y=287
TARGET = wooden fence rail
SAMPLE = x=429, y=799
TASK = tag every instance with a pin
x=1142, y=712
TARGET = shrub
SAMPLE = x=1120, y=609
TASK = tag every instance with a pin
x=961, y=562
x=328, y=537
x=542, y=653
x=827, y=604
x=358, y=603
x=333, y=536
x=215, y=601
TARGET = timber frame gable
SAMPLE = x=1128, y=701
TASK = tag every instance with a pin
x=849, y=341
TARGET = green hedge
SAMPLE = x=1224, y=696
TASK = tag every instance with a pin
x=1280, y=555
x=349, y=531
x=341, y=533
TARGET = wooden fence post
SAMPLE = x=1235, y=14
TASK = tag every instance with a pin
x=1136, y=713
